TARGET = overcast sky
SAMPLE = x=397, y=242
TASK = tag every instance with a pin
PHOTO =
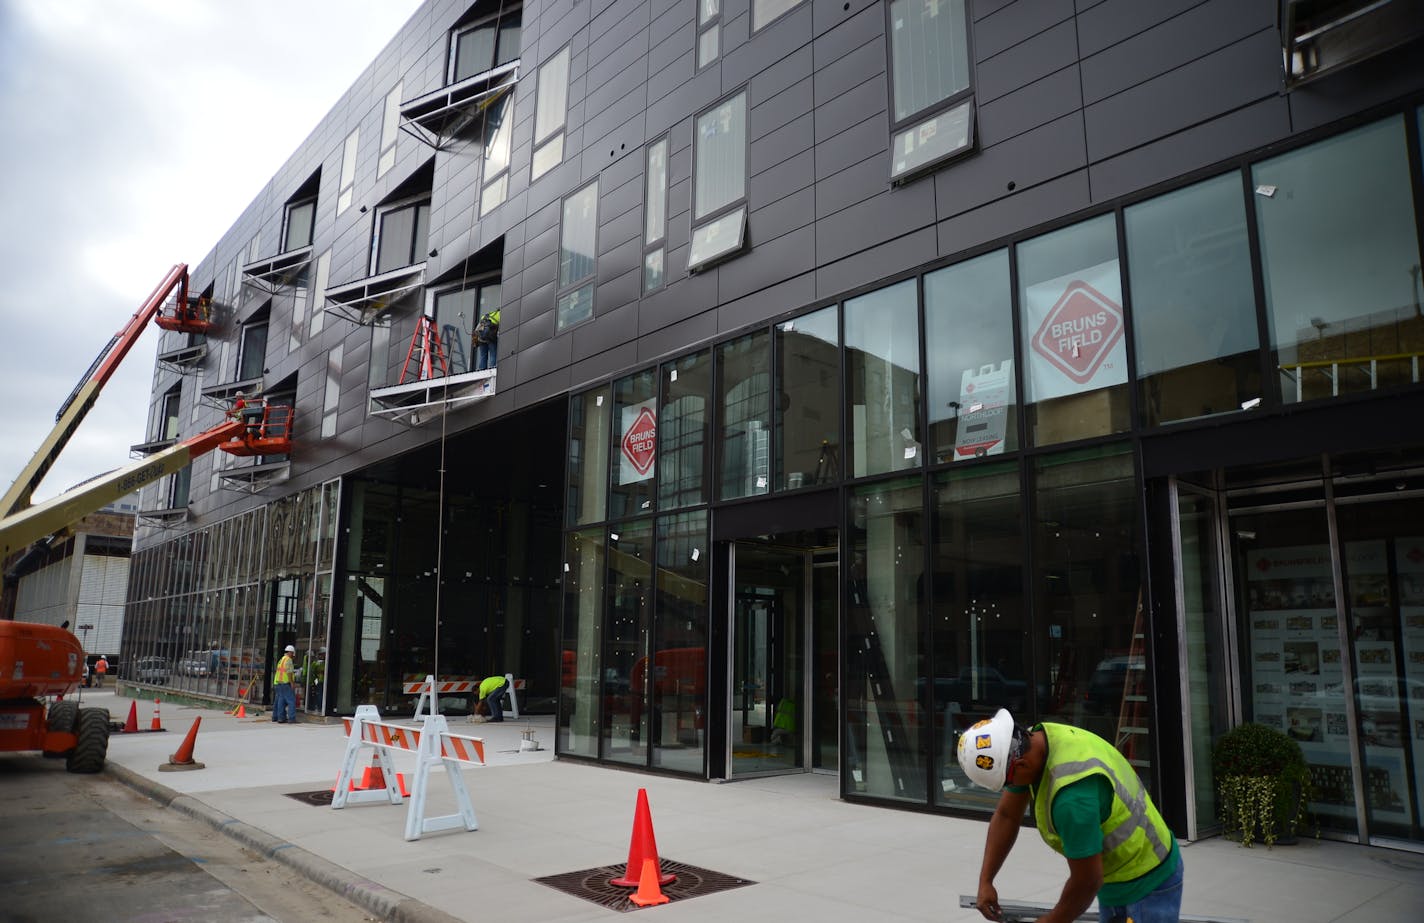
x=136, y=132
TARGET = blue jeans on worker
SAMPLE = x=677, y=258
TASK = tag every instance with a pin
x=486, y=354
x=284, y=703
x=1162, y=905
x=495, y=702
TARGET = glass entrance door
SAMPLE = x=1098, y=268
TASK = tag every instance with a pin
x=768, y=659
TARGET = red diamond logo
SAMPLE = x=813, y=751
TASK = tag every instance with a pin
x=1080, y=331
x=640, y=443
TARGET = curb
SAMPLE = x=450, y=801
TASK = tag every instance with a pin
x=392, y=906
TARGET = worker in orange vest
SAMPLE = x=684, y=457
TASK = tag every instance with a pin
x=101, y=666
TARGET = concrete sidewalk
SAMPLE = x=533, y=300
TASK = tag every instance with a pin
x=811, y=856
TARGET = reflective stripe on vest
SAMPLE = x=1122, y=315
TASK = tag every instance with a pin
x=1135, y=838
x=283, y=673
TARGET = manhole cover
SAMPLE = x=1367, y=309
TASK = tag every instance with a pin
x=319, y=799
x=593, y=884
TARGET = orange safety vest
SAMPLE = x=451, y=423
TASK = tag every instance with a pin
x=101, y=666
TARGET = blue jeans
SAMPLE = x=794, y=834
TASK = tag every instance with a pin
x=284, y=703
x=1163, y=905
x=486, y=355
x=495, y=702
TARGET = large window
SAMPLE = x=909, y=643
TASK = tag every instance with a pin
x=883, y=380
x=980, y=621
x=969, y=341
x=679, y=671
x=808, y=374
x=252, y=351
x=1075, y=355
x=682, y=431
x=550, y=111
x=578, y=241
x=766, y=11
x=588, y=456
x=1193, y=305
x=883, y=646
x=456, y=312
x=499, y=126
x=485, y=45
x=390, y=130
x=580, y=682
x=719, y=210
x=1340, y=256
x=401, y=235
x=744, y=398
x=625, y=642
x=299, y=220
x=635, y=444
x=709, y=31
x=930, y=84
x=655, y=216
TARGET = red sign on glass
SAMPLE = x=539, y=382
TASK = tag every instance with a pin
x=1079, y=331
x=640, y=442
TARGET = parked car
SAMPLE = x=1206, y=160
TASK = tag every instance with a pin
x=151, y=670
x=194, y=663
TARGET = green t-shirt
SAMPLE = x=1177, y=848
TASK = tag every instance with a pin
x=1079, y=811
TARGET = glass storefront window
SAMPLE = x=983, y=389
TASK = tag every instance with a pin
x=808, y=380
x=589, y=416
x=625, y=642
x=678, y=678
x=635, y=444
x=1070, y=297
x=978, y=622
x=1340, y=258
x=882, y=745
x=1193, y=303
x=744, y=393
x=580, y=658
x=969, y=339
x=883, y=380
x=682, y=431
x=1090, y=616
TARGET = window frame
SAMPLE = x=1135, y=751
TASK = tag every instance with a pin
x=477, y=284
x=506, y=125
x=350, y=154
x=559, y=133
x=795, y=4
x=287, y=211
x=712, y=24
x=727, y=208
x=927, y=114
x=390, y=119
x=260, y=320
x=591, y=280
x=378, y=223
x=453, y=52
x=653, y=245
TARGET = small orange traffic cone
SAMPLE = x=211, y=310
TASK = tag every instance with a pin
x=157, y=725
x=241, y=711
x=642, y=847
x=131, y=725
x=648, y=890
x=372, y=777
x=183, y=759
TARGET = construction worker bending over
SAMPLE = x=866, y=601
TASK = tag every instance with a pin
x=250, y=411
x=492, y=698
x=1090, y=807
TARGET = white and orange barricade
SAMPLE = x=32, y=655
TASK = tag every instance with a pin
x=455, y=685
x=434, y=747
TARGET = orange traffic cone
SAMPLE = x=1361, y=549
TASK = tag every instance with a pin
x=372, y=777
x=643, y=846
x=648, y=890
x=241, y=711
x=131, y=725
x=183, y=759
x=157, y=725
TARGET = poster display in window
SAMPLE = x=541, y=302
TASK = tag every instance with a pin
x=1077, y=343
x=638, y=442
x=983, y=408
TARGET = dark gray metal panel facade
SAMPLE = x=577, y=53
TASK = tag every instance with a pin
x=1076, y=105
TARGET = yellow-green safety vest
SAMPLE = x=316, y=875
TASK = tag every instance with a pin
x=283, y=673
x=1135, y=837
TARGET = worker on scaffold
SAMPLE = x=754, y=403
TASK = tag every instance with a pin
x=249, y=410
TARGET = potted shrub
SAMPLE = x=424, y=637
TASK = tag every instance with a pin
x=1262, y=783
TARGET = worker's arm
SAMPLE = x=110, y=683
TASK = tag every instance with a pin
x=1085, y=878
x=1003, y=831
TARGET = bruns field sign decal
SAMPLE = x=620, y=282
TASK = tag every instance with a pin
x=1077, y=342
x=638, y=446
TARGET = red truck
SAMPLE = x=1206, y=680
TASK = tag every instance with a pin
x=37, y=661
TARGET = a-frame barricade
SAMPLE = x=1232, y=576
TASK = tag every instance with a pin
x=434, y=747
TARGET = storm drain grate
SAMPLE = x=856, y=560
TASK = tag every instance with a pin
x=318, y=799
x=593, y=884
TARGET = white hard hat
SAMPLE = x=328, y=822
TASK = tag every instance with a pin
x=293, y=650
x=985, y=750
x=242, y=394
